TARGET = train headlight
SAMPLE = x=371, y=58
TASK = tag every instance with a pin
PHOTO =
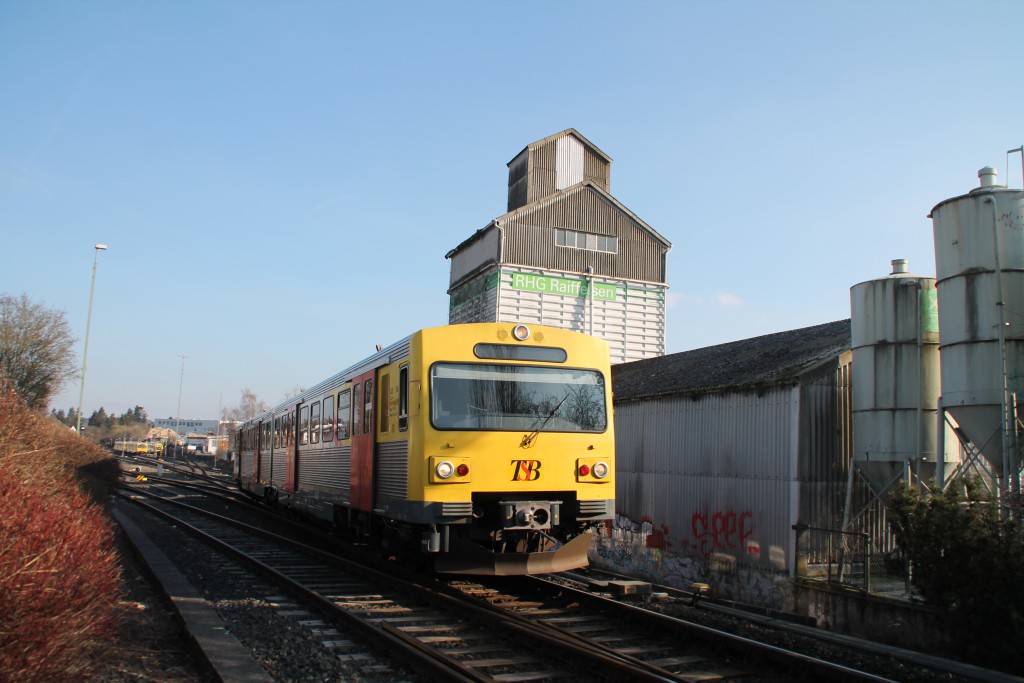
x=449, y=470
x=521, y=332
x=592, y=471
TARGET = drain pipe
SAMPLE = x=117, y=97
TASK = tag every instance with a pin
x=501, y=262
x=1006, y=445
x=590, y=295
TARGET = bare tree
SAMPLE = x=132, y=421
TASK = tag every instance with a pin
x=35, y=349
x=249, y=407
x=294, y=391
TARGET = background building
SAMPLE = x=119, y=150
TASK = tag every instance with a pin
x=188, y=425
x=566, y=254
x=720, y=451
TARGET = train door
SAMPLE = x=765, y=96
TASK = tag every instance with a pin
x=301, y=415
x=257, y=457
x=362, y=442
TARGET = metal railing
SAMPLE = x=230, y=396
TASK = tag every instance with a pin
x=847, y=558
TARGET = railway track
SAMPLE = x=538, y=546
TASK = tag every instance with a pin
x=435, y=635
x=487, y=630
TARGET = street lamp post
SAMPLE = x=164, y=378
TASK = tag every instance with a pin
x=88, y=323
x=181, y=381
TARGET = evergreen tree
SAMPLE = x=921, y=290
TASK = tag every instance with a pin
x=98, y=418
x=967, y=560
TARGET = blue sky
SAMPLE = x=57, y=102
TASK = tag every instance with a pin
x=296, y=171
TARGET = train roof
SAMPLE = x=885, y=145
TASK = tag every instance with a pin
x=746, y=365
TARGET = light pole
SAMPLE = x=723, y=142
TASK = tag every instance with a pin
x=181, y=381
x=88, y=322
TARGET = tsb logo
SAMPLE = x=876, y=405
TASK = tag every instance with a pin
x=526, y=470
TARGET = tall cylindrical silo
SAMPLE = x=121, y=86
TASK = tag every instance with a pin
x=895, y=335
x=979, y=264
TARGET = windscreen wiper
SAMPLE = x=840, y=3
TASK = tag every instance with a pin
x=528, y=438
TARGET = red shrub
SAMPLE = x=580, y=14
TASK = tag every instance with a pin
x=59, y=581
x=59, y=573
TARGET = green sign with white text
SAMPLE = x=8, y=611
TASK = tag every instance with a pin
x=546, y=284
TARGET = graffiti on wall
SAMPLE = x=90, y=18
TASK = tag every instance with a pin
x=711, y=553
x=723, y=531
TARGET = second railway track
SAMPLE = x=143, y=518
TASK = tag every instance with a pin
x=477, y=632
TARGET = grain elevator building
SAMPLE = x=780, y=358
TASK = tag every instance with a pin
x=566, y=253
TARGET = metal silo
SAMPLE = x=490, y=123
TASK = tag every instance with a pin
x=979, y=262
x=895, y=335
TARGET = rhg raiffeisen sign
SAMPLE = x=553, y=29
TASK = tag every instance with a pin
x=546, y=284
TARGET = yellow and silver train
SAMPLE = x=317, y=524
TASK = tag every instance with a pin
x=489, y=447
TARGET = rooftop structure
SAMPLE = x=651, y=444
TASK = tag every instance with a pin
x=566, y=254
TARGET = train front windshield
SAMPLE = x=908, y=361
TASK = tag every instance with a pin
x=479, y=396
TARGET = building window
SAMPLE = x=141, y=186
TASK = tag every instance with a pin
x=574, y=239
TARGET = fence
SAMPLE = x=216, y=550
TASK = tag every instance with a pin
x=848, y=558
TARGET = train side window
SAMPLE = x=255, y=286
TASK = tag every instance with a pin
x=403, y=398
x=277, y=433
x=368, y=407
x=357, y=409
x=314, y=423
x=304, y=426
x=385, y=388
x=344, y=403
x=329, y=418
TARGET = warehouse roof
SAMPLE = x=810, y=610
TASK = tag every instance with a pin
x=749, y=364
x=559, y=196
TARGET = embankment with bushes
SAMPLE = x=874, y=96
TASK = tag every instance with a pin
x=59, y=573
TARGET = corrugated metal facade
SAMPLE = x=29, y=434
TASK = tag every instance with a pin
x=277, y=472
x=247, y=467
x=553, y=164
x=528, y=239
x=630, y=316
x=327, y=469
x=391, y=473
x=712, y=483
x=716, y=475
x=481, y=252
x=265, y=465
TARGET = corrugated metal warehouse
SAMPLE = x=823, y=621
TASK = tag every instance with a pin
x=722, y=451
